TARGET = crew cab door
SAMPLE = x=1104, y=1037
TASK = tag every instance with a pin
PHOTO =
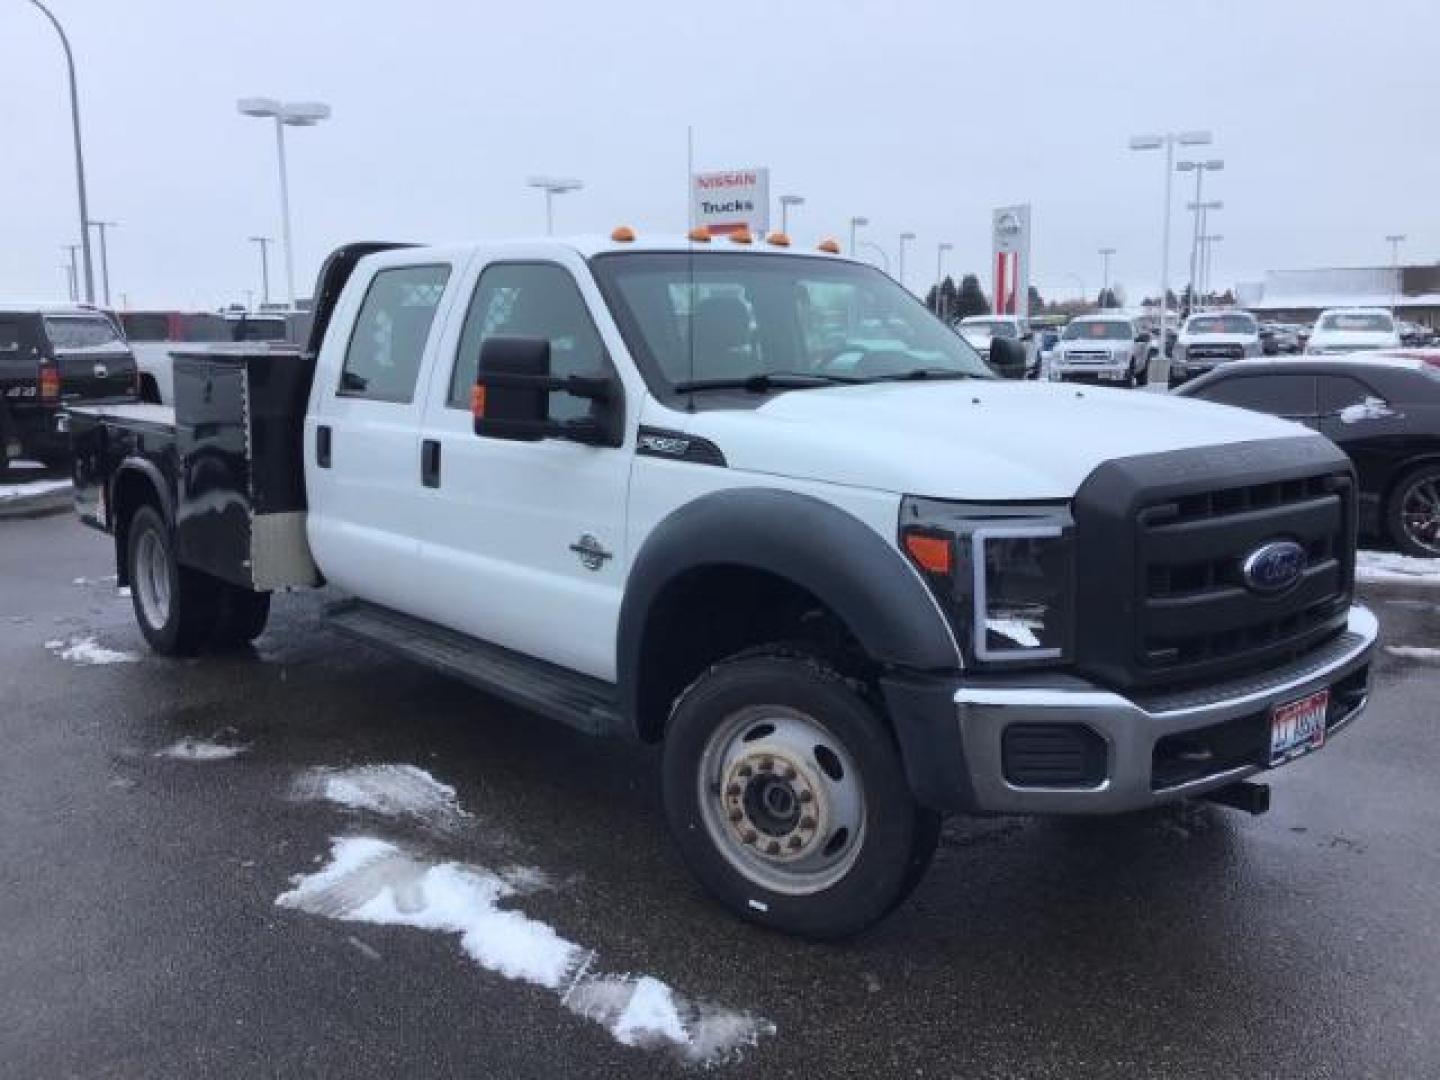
x=523, y=543
x=362, y=432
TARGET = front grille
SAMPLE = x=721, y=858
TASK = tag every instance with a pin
x=1215, y=352
x=1195, y=608
x=1161, y=600
x=1092, y=357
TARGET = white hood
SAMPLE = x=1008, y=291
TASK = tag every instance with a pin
x=1217, y=339
x=982, y=440
x=1360, y=339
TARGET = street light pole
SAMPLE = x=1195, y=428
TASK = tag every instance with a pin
x=1395, y=240
x=1105, y=254
x=285, y=114
x=905, y=237
x=264, y=242
x=79, y=153
x=1199, y=168
x=73, y=273
x=787, y=201
x=1207, y=256
x=884, y=257
x=1168, y=142
x=552, y=186
x=856, y=223
x=100, y=227
x=940, y=250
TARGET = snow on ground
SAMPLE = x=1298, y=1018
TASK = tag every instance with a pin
x=1414, y=652
x=394, y=791
x=192, y=749
x=34, y=487
x=375, y=881
x=1390, y=566
x=89, y=652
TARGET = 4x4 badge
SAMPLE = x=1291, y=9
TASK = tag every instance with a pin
x=592, y=553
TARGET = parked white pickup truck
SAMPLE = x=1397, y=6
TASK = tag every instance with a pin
x=684, y=491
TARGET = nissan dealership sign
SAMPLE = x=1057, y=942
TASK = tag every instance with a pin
x=731, y=199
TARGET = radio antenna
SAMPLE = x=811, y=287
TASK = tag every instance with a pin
x=690, y=253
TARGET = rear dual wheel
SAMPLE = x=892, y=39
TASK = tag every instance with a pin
x=787, y=797
x=181, y=610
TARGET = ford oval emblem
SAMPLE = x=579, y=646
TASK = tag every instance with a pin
x=1274, y=567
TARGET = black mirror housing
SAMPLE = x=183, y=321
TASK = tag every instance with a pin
x=1007, y=358
x=511, y=396
x=1142, y=338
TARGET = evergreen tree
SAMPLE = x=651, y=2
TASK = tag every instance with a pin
x=1037, y=302
x=971, y=300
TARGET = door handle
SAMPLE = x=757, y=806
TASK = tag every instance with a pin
x=430, y=463
x=322, y=446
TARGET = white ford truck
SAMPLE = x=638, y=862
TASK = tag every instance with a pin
x=683, y=491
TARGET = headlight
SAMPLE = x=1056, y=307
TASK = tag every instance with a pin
x=1005, y=576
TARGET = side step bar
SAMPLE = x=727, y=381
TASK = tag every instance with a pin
x=574, y=699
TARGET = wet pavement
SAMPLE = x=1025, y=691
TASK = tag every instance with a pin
x=140, y=935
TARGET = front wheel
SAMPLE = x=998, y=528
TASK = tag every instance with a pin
x=787, y=797
x=1414, y=512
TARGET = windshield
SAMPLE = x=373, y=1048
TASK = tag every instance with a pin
x=1098, y=331
x=1373, y=321
x=84, y=332
x=991, y=327
x=713, y=316
x=1221, y=324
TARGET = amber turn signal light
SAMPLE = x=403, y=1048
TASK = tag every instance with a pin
x=931, y=553
x=700, y=234
x=741, y=236
x=831, y=247
x=477, y=401
x=778, y=239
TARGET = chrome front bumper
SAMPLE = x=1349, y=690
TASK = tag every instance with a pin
x=1131, y=727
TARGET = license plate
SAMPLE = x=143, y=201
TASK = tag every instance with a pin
x=1112, y=376
x=1298, y=727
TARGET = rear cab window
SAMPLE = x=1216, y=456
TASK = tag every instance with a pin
x=68, y=333
x=387, y=342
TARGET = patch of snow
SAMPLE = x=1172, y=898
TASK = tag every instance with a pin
x=192, y=749
x=394, y=791
x=123, y=592
x=1390, y=566
x=1414, y=652
x=81, y=581
x=1372, y=408
x=34, y=487
x=375, y=881
x=87, y=651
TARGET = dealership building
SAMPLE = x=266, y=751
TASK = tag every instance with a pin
x=1300, y=295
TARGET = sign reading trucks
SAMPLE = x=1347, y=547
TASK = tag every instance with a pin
x=730, y=200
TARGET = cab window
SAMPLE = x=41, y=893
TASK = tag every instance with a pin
x=383, y=358
x=1279, y=395
x=534, y=300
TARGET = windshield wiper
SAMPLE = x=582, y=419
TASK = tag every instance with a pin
x=926, y=373
x=765, y=381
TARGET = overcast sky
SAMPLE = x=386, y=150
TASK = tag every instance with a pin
x=921, y=116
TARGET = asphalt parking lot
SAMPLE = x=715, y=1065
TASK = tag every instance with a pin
x=140, y=934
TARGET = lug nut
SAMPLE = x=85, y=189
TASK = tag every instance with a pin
x=795, y=842
x=733, y=790
x=745, y=772
x=773, y=847
x=807, y=823
x=788, y=773
x=806, y=795
x=748, y=836
x=766, y=765
x=737, y=815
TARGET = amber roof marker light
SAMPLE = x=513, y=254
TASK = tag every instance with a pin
x=778, y=239
x=700, y=234
x=829, y=246
x=623, y=234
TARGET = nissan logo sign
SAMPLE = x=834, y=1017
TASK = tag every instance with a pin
x=1274, y=567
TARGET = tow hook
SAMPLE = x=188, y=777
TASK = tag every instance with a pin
x=1246, y=795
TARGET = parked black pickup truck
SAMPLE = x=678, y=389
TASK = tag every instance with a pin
x=52, y=357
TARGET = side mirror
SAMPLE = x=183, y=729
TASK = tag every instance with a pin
x=511, y=396
x=1028, y=335
x=1007, y=358
x=1142, y=338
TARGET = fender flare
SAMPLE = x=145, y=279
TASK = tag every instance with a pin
x=804, y=540
x=152, y=473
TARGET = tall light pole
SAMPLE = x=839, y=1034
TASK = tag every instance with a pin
x=1105, y=254
x=71, y=272
x=884, y=256
x=552, y=186
x=1202, y=216
x=79, y=153
x=100, y=227
x=905, y=238
x=264, y=243
x=940, y=250
x=1395, y=240
x=285, y=114
x=787, y=201
x=1168, y=141
x=1199, y=168
x=1207, y=255
x=856, y=223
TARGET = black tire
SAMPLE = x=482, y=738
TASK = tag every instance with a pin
x=1412, y=533
x=184, y=621
x=873, y=869
x=242, y=617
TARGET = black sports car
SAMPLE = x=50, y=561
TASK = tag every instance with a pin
x=1382, y=409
